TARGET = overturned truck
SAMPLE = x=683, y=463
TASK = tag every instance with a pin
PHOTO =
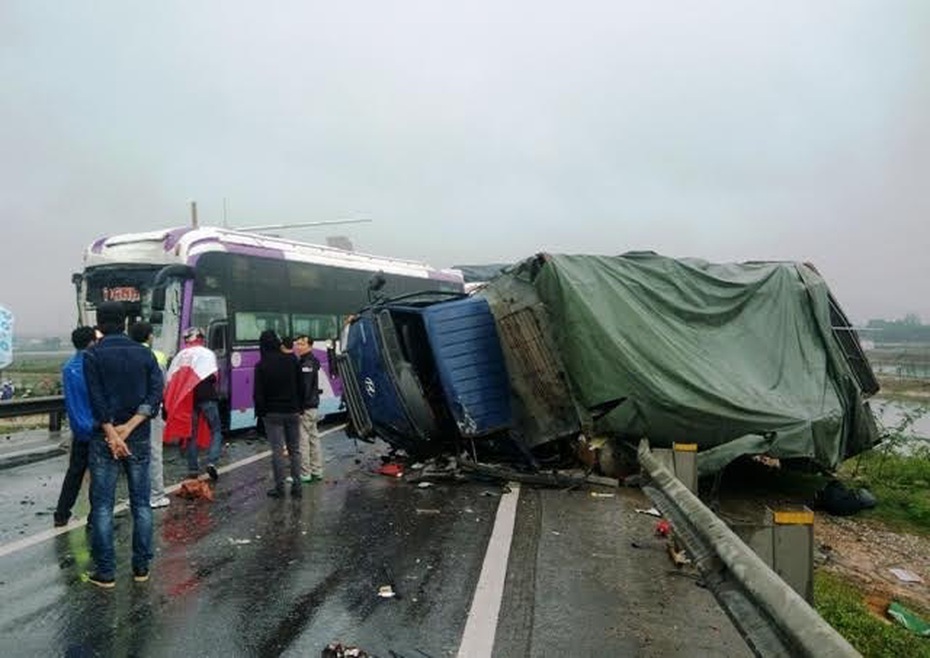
x=741, y=359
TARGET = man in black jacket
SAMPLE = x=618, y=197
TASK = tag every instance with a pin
x=311, y=462
x=278, y=400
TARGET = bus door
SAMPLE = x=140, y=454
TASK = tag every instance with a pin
x=218, y=341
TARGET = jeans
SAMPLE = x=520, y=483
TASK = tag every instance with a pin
x=211, y=412
x=281, y=429
x=71, y=485
x=311, y=456
x=104, y=471
x=157, y=470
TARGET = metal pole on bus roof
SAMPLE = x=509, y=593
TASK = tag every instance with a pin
x=274, y=227
x=193, y=214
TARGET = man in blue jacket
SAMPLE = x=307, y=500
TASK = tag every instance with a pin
x=80, y=420
x=125, y=387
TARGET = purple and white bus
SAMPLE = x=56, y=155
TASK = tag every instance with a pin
x=236, y=284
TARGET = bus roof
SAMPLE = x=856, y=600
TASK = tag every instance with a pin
x=183, y=245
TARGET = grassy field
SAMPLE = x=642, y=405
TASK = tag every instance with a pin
x=39, y=374
x=900, y=483
x=844, y=607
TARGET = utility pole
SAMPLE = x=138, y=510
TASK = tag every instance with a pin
x=193, y=214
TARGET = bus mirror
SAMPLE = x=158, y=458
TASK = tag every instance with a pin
x=158, y=298
x=156, y=317
x=76, y=278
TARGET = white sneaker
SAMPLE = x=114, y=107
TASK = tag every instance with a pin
x=164, y=501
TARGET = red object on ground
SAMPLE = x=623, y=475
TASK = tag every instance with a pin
x=393, y=470
x=663, y=527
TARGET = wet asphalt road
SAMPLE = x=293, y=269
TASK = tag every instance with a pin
x=249, y=576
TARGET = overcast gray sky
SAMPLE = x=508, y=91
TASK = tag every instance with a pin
x=475, y=132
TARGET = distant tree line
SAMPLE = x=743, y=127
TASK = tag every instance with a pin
x=907, y=330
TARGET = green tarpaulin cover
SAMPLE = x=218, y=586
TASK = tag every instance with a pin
x=738, y=358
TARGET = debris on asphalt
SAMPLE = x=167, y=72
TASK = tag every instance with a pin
x=678, y=555
x=337, y=650
x=392, y=469
x=386, y=592
x=663, y=528
x=239, y=542
x=195, y=490
x=600, y=494
x=421, y=510
x=424, y=484
x=652, y=511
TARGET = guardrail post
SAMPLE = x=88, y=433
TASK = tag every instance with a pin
x=54, y=421
x=784, y=540
x=665, y=457
x=685, y=456
x=681, y=461
x=793, y=550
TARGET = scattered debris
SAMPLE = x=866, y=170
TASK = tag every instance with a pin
x=337, y=650
x=906, y=576
x=663, y=528
x=392, y=469
x=600, y=494
x=909, y=619
x=652, y=511
x=421, y=510
x=239, y=542
x=195, y=489
x=678, y=555
x=424, y=485
x=386, y=592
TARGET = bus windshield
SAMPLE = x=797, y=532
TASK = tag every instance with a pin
x=129, y=284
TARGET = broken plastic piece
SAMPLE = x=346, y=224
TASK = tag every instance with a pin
x=905, y=575
x=392, y=469
x=652, y=511
x=909, y=619
x=663, y=528
x=386, y=592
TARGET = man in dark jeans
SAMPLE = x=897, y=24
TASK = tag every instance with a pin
x=278, y=400
x=196, y=358
x=80, y=421
x=125, y=386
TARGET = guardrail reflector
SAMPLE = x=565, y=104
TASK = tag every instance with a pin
x=794, y=517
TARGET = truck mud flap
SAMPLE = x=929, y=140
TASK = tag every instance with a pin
x=360, y=421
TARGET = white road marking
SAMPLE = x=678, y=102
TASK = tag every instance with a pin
x=39, y=537
x=481, y=627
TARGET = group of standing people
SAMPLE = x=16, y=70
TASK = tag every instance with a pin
x=286, y=394
x=117, y=387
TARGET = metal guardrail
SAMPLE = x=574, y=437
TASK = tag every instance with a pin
x=772, y=618
x=53, y=405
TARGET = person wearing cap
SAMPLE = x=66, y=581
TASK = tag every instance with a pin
x=124, y=384
x=192, y=376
